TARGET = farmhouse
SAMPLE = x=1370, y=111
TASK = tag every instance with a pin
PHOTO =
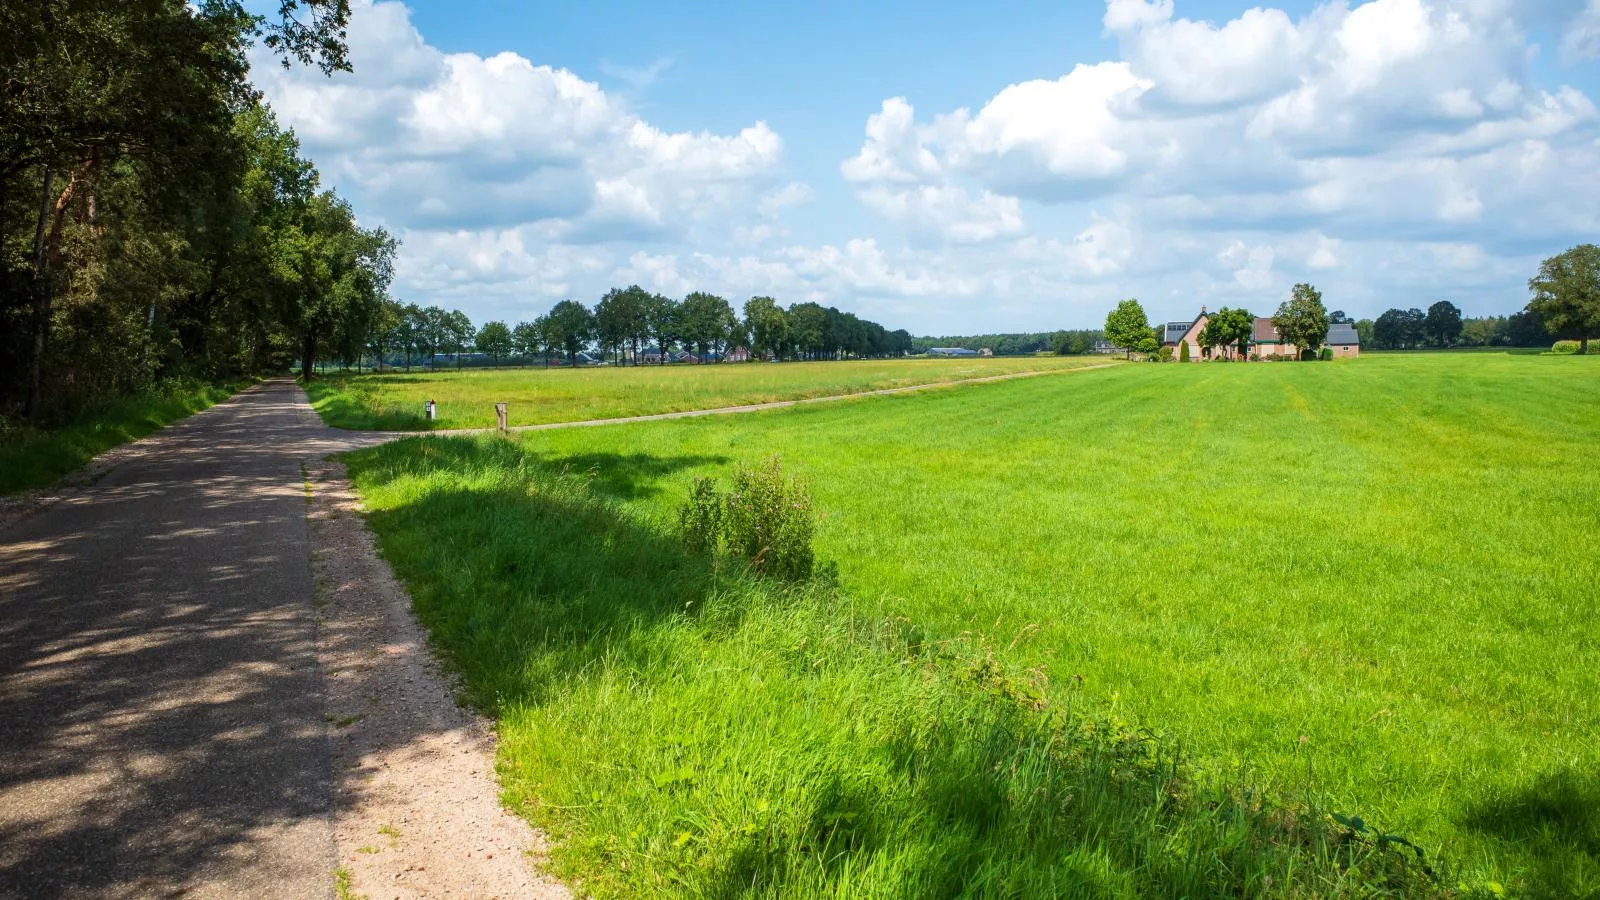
x=1264, y=339
x=1342, y=340
x=1176, y=334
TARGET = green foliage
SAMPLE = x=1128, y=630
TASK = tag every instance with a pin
x=1326, y=354
x=1566, y=294
x=1302, y=320
x=1565, y=348
x=1443, y=324
x=495, y=339
x=184, y=237
x=1165, y=354
x=1183, y=351
x=569, y=327
x=1128, y=327
x=766, y=518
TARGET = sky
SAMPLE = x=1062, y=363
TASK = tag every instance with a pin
x=964, y=168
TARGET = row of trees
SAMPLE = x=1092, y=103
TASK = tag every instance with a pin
x=629, y=321
x=155, y=220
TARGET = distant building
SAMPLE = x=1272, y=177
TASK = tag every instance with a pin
x=986, y=352
x=1343, y=340
x=951, y=351
x=1106, y=348
x=1265, y=341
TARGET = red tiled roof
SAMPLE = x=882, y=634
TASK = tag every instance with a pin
x=1264, y=332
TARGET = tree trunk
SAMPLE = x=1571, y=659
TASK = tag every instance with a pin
x=308, y=355
x=41, y=298
x=1583, y=346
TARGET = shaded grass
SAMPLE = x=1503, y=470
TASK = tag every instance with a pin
x=1373, y=580
x=394, y=402
x=686, y=730
x=34, y=457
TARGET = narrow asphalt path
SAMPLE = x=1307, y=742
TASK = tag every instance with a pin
x=161, y=704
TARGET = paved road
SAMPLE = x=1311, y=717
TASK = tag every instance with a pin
x=161, y=706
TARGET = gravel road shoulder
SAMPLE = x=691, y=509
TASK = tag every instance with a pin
x=417, y=809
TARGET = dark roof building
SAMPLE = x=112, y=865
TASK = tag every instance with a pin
x=1342, y=333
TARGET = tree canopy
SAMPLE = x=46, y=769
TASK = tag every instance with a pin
x=1566, y=294
x=1302, y=320
x=1128, y=327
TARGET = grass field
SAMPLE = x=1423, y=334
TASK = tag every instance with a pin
x=535, y=396
x=35, y=457
x=1365, y=587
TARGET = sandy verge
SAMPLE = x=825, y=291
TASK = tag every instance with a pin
x=417, y=810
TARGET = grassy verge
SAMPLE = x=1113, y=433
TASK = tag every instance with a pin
x=34, y=457
x=394, y=401
x=686, y=730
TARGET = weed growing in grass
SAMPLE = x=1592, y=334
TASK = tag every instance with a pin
x=685, y=730
x=766, y=518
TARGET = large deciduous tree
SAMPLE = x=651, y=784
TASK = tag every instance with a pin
x=494, y=339
x=1442, y=324
x=1566, y=294
x=570, y=327
x=768, y=325
x=1229, y=328
x=1128, y=327
x=1302, y=320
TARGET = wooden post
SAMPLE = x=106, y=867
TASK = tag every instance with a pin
x=500, y=416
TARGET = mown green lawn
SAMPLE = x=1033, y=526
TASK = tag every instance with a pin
x=1364, y=587
x=535, y=395
x=34, y=457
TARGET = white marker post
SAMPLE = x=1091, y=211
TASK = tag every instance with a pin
x=431, y=410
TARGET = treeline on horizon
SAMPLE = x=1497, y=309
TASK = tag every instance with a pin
x=629, y=324
x=156, y=223
x=1071, y=342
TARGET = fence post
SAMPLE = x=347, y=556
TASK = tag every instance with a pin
x=500, y=416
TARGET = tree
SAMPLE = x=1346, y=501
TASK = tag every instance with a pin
x=1364, y=332
x=1527, y=329
x=662, y=317
x=1399, y=329
x=706, y=320
x=385, y=332
x=526, y=340
x=1228, y=327
x=1566, y=294
x=613, y=317
x=1129, y=328
x=806, y=324
x=570, y=327
x=1442, y=324
x=768, y=325
x=1302, y=320
x=458, y=334
x=1337, y=317
x=494, y=338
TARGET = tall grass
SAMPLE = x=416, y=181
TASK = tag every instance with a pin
x=466, y=399
x=35, y=456
x=690, y=730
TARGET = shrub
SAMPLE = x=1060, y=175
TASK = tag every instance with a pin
x=1326, y=354
x=1166, y=354
x=1565, y=348
x=701, y=518
x=766, y=519
x=1183, y=352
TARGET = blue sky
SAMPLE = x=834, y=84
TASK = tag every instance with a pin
x=964, y=168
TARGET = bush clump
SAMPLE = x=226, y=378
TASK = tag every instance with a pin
x=1326, y=354
x=766, y=519
x=1183, y=352
x=1565, y=348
